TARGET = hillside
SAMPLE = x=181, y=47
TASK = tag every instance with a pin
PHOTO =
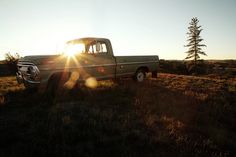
x=174, y=115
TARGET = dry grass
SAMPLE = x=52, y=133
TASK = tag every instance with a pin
x=9, y=84
x=173, y=115
x=198, y=87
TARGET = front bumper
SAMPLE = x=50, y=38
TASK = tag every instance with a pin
x=19, y=78
x=27, y=83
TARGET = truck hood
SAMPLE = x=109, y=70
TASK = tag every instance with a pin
x=40, y=59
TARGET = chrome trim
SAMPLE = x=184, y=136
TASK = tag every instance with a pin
x=24, y=64
x=74, y=67
x=128, y=63
x=29, y=78
x=104, y=77
x=101, y=65
x=32, y=82
x=124, y=74
x=19, y=78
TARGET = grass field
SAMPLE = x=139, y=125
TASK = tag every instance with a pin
x=173, y=115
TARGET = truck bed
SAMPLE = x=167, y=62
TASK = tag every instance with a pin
x=127, y=64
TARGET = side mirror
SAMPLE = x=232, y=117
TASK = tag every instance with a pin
x=98, y=47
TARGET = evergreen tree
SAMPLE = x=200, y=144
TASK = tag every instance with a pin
x=194, y=40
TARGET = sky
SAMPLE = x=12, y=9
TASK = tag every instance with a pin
x=135, y=27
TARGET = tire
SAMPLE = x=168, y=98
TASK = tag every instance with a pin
x=56, y=85
x=154, y=74
x=32, y=90
x=51, y=88
x=140, y=75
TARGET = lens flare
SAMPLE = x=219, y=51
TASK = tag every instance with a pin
x=91, y=82
x=73, y=80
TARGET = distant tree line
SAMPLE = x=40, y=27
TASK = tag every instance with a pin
x=204, y=67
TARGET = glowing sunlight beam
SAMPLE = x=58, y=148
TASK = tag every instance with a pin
x=74, y=49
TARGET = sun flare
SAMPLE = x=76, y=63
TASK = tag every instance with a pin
x=74, y=49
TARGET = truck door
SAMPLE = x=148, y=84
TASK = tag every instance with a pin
x=101, y=64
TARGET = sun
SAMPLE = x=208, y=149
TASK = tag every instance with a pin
x=74, y=49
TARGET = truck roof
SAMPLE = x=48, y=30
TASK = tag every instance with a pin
x=86, y=40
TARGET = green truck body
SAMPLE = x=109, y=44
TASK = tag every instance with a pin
x=95, y=59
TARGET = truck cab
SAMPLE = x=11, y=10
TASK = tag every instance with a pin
x=97, y=57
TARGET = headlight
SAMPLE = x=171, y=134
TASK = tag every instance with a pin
x=33, y=71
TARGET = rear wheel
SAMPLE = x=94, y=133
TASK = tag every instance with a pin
x=140, y=75
x=154, y=74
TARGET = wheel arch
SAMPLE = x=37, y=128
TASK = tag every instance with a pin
x=144, y=68
x=57, y=76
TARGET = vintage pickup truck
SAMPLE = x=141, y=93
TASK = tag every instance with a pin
x=83, y=59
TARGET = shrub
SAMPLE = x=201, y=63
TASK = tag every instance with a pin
x=200, y=68
x=11, y=61
x=173, y=66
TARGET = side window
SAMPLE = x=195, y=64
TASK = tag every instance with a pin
x=101, y=50
x=91, y=49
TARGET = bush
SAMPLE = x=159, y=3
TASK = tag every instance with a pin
x=173, y=66
x=197, y=69
x=11, y=61
x=223, y=68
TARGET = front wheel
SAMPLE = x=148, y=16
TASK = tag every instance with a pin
x=56, y=85
x=140, y=75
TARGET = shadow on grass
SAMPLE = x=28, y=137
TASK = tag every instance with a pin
x=129, y=119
